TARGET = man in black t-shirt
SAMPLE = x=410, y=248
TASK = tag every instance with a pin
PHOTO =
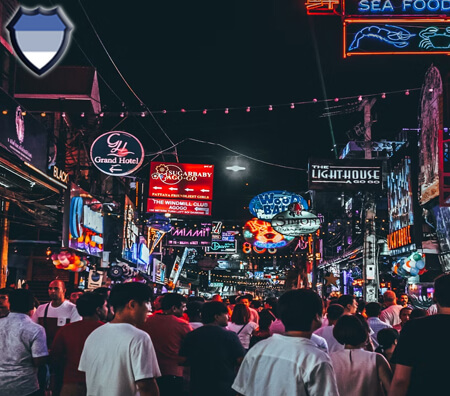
x=423, y=351
x=212, y=353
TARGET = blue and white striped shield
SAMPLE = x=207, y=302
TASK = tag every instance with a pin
x=39, y=37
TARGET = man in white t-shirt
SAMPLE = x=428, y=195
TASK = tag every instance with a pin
x=390, y=315
x=118, y=358
x=334, y=312
x=311, y=371
x=57, y=313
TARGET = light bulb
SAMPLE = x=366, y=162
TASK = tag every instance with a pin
x=292, y=106
x=270, y=108
x=248, y=110
x=227, y=110
x=383, y=96
x=205, y=111
x=407, y=92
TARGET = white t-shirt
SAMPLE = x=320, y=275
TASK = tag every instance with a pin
x=65, y=313
x=277, y=327
x=20, y=341
x=327, y=334
x=292, y=366
x=246, y=332
x=114, y=357
x=391, y=315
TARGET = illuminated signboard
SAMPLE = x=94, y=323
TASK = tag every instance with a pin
x=193, y=234
x=216, y=232
x=130, y=233
x=338, y=175
x=399, y=238
x=322, y=7
x=117, y=153
x=294, y=223
x=397, y=8
x=261, y=234
x=396, y=36
x=186, y=181
x=179, y=206
x=266, y=205
x=219, y=247
x=400, y=196
x=159, y=271
x=85, y=222
x=23, y=136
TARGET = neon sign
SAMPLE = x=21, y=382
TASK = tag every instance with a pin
x=266, y=205
x=399, y=238
x=397, y=8
x=261, y=234
x=407, y=36
x=322, y=7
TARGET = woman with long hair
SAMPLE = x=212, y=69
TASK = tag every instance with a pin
x=358, y=371
x=241, y=324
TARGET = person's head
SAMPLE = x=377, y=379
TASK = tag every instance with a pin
x=300, y=310
x=215, y=313
x=241, y=314
x=404, y=314
x=104, y=291
x=349, y=330
x=256, y=304
x=334, y=312
x=75, y=295
x=349, y=303
x=131, y=302
x=418, y=313
x=173, y=304
x=243, y=300
x=57, y=290
x=271, y=303
x=157, y=302
x=92, y=305
x=194, y=311
x=373, y=310
x=387, y=338
x=403, y=299
x=389, y=298
x=216, y=297
x=21, y=301
x=4, y=302
x=442, y=290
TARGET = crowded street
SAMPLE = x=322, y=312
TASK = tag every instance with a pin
x=243, y=199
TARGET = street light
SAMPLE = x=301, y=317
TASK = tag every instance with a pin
x=235, y=168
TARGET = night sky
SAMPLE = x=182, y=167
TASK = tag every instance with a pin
x=205, y=54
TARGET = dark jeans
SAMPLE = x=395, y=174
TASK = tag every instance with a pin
x=170, y=385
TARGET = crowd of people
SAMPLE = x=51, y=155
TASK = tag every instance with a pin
x=122, y=341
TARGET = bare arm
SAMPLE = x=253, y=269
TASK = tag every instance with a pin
x=148, y=387
x=384, y=372
x=39, y=361
x=401, y=381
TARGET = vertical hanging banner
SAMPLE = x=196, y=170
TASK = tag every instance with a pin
x=178, y=265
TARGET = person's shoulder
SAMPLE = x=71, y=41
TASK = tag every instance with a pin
x=68, y=305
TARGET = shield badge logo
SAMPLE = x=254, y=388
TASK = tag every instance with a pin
x=40, y=37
